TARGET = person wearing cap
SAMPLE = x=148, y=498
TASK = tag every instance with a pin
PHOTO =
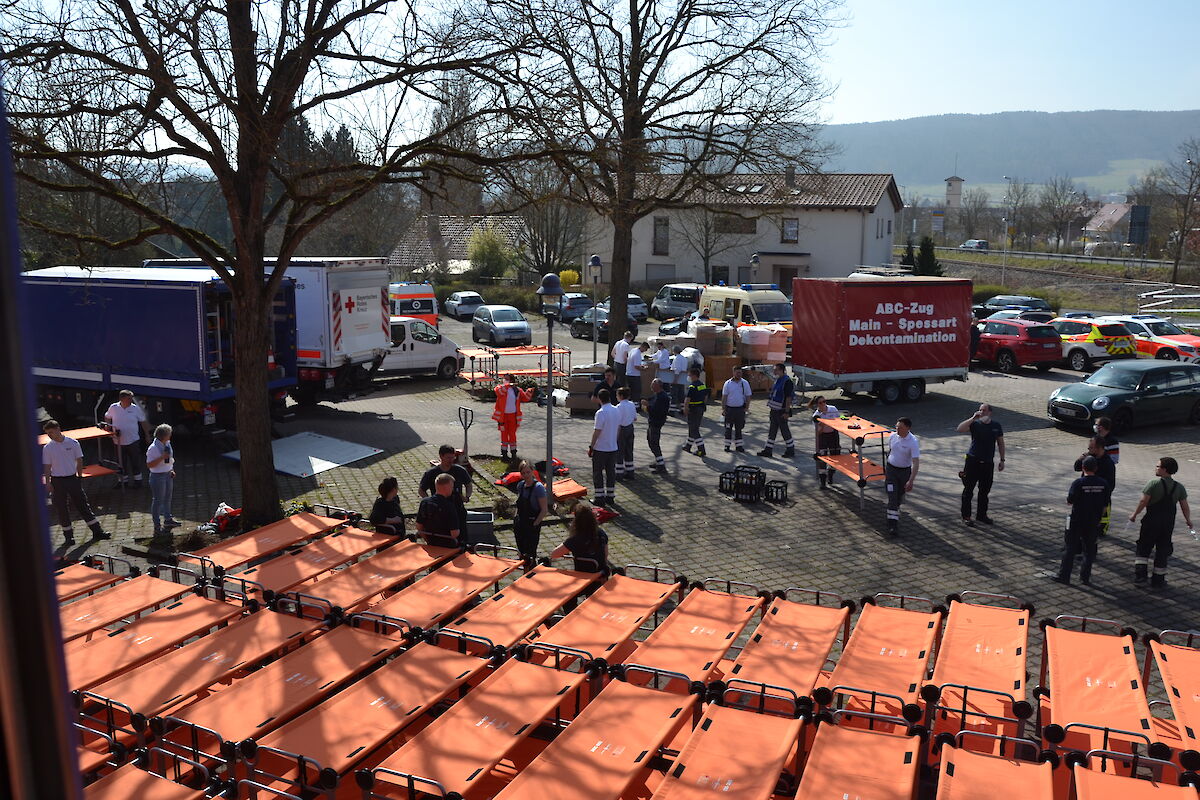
x=735, y=402
x=128, y=423
x=1159, y=498
x=1087, y=497
x=900, y=470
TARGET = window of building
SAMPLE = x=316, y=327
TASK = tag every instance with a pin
x=789, y=232
x=889, y=233
x=662, y=236
x=720, y=274
x=745, y=274
x=732, y=223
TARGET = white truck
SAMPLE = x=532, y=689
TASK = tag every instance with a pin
x=343, y=322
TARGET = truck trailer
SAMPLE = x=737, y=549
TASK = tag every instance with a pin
x=164, y=333
x=886, y=336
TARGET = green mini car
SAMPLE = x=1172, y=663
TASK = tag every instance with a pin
x=1131, y=393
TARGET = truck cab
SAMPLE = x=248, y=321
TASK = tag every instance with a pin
x=419, y=349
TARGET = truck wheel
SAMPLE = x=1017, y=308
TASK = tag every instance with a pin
x=447, y=369
x=888, y=392
x=914, y=389
x=1006, y=362
x=1079, y=360
x=305, y=395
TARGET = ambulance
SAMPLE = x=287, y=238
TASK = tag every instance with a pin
x=414, y=300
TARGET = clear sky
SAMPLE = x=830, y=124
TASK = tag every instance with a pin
x=893, y=59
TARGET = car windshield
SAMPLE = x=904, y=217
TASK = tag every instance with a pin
x=1164, y=329
x=1113, y=330
x=507, y=315
x=1036, y=303
x=1042, y=332
x=773, y=312
x=1114, y=377
x=470, y=298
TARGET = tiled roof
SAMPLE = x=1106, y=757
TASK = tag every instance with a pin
x=811, y=190
x=1108, y=217
x=414, y=250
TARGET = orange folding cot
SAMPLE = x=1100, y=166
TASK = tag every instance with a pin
x=884, y=664
x=973, y=775
x=854, y=761
x=89, y=576
x=1178, y=661
x=607, y=747
x=126, y=601
x=177, y=778
x=313, y=752
x=244, y=548
x=1100, y=784
x=456, y=752
x=92, y=662
x=979, y=677
x=347, y=590
x=694, y=637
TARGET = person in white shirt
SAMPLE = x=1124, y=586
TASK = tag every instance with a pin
x=128, y=423
x=679, y=372
x=633, y=371
x=735, y=402
x=62, y=466
x=620, y=354
x=160, y=460
x=625, y=437
x=900, y=471
x=829, y=443
x=603, y=450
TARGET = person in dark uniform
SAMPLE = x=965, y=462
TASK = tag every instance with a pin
x=1087, y=497
x=828, y=441
x=975, y=333
x=1104, y=429
x=386, y=514
x=462, y=483
x=588, y=542
x=1159, y=498
x=610, y=383
x=437, y=516
x=779, y=405
x=532, y=508
x=694, y=402
x=657, y=407
x=987, y=437
x=62, y=461
x=1106, y=469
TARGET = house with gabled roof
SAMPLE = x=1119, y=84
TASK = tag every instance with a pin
x=436, y=243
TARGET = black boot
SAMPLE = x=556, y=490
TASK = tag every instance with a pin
x=766, y=451
x=821, y=478
x=1158, y=581
x=789, y=453
x=1139, y=573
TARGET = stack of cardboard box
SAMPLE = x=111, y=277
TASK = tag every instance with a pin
x=579, y=392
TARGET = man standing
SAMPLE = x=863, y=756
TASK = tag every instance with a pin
x=461, y=491
x=633, y=371
x=603, y=451
x=693, y=409
x=657, y=409
x=437, y=516
x=610, y=383
x=783, y=394
x=620, y=354
x=1104, y=429
x=679, y=376
x=900, y=471
x=62, y=463
x=128, y=423
x=160, y=460
x=1105, y=469
x=735, y=402
x=628, y=413
x=1159, y=498
x=975, y=335
x=1087, y=498
x=986, y=438
x=508, y=414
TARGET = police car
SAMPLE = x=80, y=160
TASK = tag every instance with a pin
x=1087, y=341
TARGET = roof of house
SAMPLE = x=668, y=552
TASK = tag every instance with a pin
x=1108, y=217
x=414, y=252
x=839, y=190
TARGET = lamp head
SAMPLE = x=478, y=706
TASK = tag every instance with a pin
x=551, y=289
x=594, y=261
x=754, y=258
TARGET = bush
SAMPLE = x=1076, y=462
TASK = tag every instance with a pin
x=569, y=277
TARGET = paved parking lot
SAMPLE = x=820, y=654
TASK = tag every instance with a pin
x=816, y=540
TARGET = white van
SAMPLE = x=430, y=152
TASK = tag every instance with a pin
x=418, y=349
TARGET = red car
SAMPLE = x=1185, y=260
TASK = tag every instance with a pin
x=1012, y=343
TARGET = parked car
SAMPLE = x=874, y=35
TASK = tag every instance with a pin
x=974, y=244
x=1003, y=302
x=500, y=325
x=573, y=304
x=676, y=300
x=636, y=307
x=1131, y=393
x=1086, y=342
x=1018, y=313
x=581, y=327
x=674, y=327
x=1012, y=343
x=462, y=305
x=1159, y=338
x=419, y=349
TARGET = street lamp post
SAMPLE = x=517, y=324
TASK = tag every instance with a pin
x=595, y=267
x=550, y=292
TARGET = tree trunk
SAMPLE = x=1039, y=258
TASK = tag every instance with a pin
x=618, y=291
x=251, y=341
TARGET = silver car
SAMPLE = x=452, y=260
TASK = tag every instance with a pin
x=500, y=325
x=635, y=305
x=462, y=305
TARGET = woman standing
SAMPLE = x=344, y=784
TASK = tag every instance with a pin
x=507, y=414
x=386, y=515
x=588, y=542
x=828, y=441
x=532, y=508
x=160, y=459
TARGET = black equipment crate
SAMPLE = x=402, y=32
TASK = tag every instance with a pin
x=776, y=491
x=748, y=484
x=726, y=482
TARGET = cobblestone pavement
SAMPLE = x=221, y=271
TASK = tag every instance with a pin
x=817, y=539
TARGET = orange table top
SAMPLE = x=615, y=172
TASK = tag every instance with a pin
x=967, y=775
x=849, y=465
x=1091, y=784
x=610, y=616
x=888, y=652
x=983, y=647
x=853, y=762
x=522, y=350
x=90, y=614
x=246, y=547
x=791, y=645
x=696, y=635
x=79, y=434
x=129, y=781
x=605, y=747
x=78, y=579
x=1094, y=679
x=289, y=569
x=865, y=427
x=733, y=754
x=480, y=729
x=1180, y=669
x=89, y=663
x=444, y=591
x=348, y=588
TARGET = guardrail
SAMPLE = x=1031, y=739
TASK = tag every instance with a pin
x=1133, y=262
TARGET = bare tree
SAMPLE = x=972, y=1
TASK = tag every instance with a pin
x=1018, y=210
x=974, y=212
x=555, y=232
x=1179, y=180
x=645, y=101
x=1058, y=204
x=709, y=233
x=209, y=88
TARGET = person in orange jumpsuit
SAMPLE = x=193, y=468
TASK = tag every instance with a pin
x=509, y=398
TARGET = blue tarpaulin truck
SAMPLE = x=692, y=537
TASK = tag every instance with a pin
x=164, y=333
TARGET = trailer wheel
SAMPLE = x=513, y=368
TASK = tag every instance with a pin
x=888, y=392
x=914, y=389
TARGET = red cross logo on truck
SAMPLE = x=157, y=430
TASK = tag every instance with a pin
x=349, y=305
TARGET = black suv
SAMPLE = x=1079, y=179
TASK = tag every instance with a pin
x=1017, y=302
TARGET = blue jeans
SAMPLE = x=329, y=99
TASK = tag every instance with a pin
x=161, y=485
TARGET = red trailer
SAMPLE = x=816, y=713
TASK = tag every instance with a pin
x=880, y=335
